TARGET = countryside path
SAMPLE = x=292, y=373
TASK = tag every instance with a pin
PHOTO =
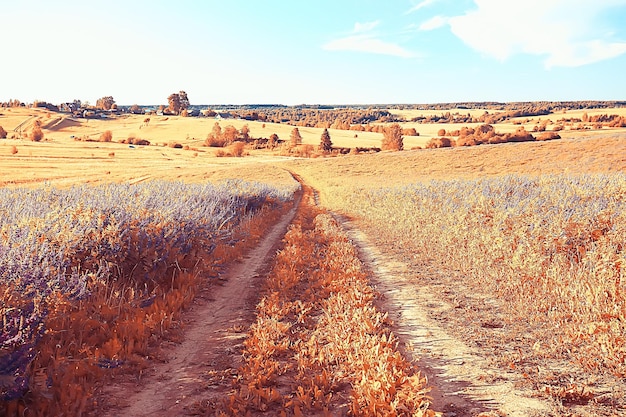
x=463, y=383
x=203, y=365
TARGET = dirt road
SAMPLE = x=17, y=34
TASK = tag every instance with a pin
x=463, y=383
x=203, y=364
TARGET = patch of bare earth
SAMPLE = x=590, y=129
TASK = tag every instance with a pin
x=464, y=380
x=203, y=364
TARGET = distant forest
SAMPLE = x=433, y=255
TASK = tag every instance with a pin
x=347, y=116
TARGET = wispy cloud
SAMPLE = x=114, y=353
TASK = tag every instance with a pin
x=420, y=5
x=564, y=31
x=434, y=23
x=364, y=39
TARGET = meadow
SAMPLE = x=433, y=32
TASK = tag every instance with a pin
x=526, y=240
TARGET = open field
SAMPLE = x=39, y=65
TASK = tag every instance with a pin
x=516, y=251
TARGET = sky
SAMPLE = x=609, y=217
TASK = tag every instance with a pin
x=313, y=52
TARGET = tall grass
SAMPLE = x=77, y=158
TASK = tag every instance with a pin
x=87, y=274
x=553, y=248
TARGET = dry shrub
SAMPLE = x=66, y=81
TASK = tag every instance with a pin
x=549, y=136
x=3, y=133
x=302, y=151
x=237, y=149
x=175, y=145
x=13, y=150
x=214, y=142
x=410, y=131
x=442, y=132
x=440, y=143
x=106, y=136
x=392, y=138
x=520, y=135
x=466, y=141
x=132, y=140
x=111, y=154
x=36, y=135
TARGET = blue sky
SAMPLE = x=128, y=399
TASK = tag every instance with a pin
x=313, y=52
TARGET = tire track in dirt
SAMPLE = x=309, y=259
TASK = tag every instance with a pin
x=202, y=366
x=463, y=383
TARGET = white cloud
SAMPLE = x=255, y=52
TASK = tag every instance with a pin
x=564, y=31
x=434, y=23
x=367, y=44
x=363, y=39
x=420, y=5
x=365, y=27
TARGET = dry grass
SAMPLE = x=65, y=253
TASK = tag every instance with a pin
x=558, y=277
x=318, y=333
x=536, y=227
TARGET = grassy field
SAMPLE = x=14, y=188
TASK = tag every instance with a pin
x=537, y=228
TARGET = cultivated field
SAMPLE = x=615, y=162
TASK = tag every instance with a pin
x=515, y=250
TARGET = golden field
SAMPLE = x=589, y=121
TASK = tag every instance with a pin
x=525, y=240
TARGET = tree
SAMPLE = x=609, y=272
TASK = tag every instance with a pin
x=245, y=133
x=392, y=138
x=173, y=102
x=184, y=100
x=326, y=144
x=273, y=140
x=295, y=138
x=105, y=103
x=230, y=134
x=178, y=102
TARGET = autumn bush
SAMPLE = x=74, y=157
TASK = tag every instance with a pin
x=36, y=134
x=440, y=143
x=106, y=136
x=392, y=138
x=238, y=148
x=549, y=136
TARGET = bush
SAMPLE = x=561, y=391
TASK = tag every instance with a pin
x=36, y=135
x=106, y=136
x=13, y=150
x=392, y=138
x=440, y=143
x=237, y=148
x=3, y=133
x=549, y=136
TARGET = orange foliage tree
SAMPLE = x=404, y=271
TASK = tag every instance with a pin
x=392, y=138
x=295, y=138
x=326, y=144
